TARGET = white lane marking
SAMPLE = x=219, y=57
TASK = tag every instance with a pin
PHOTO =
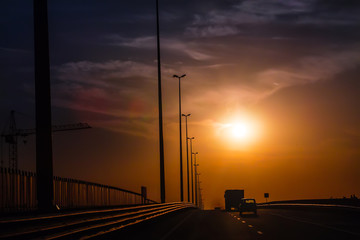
x=251, y=226
x=316, y=224
x=177, y=226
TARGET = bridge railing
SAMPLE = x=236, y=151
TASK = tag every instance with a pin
x=18, y=193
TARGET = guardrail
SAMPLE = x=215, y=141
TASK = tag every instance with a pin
x=307, y=205
x=18, y=193
x=353, y=201
x=84, y=224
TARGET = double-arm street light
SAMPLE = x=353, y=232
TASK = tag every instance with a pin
x=187, y=156
x=181, y=164
x=192, y=174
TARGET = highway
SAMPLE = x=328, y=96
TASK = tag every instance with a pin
x=269, y=224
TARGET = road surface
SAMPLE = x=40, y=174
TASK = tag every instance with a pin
x=269, y=224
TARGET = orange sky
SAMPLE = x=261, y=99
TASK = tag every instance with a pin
x=288, y=68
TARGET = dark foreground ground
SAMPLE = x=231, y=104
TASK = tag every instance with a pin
x=269, y=224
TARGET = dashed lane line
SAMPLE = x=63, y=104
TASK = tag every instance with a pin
x=250, y=226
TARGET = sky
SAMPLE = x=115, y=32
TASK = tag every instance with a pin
x=272, y=87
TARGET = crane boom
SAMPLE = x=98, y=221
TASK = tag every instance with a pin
x=55, y=128
x=13, y=133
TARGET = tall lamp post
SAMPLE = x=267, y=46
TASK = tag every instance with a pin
x=161, y=135
x=44, y=161
x=195, y=165
x=181, y=164
x=199, y=190
x=192, y=174
x=187, y=155
x=200, y=196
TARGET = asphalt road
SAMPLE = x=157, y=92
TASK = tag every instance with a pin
x=269, y=224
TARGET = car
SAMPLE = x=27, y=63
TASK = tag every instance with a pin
x=247, y=205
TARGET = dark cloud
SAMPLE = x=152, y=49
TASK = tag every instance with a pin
x=337, y=5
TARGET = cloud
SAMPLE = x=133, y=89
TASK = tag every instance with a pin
x=230, y=21
x=271, y=8
x=308, y=70
x=100, y=73
x=139, y=42
x=218, y=89
x=212, y=30
x=149, y=42
x=226, y=73
x=14, y=50
x=120, y=90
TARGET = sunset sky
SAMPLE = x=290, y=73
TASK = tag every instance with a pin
x=272, y=86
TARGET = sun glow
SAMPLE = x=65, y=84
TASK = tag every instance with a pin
x=243, y=131
x=240, y=130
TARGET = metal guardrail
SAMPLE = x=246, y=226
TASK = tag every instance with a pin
x=298, y=205
x=85, y=224
x=18, y=193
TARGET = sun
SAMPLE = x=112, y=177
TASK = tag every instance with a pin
x=240, y=130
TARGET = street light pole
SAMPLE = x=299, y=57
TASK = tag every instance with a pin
x=195, y=165
x=44, y=155
x=187, y=155
x=199, y=190
x=181, y=163
x=192, y=173
x=161, y=137
x=201, y=203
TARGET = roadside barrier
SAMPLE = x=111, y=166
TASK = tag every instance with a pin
x=18, y=193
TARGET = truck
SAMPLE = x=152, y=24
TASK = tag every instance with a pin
x=233, y=198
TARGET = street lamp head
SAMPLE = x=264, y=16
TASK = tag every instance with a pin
x=176, y=76
x=191, y=138
x=186, y=115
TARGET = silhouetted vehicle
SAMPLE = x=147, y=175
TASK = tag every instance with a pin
x=247, y=205
x=232, y=199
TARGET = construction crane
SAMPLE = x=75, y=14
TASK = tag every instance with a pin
x=12, y=134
